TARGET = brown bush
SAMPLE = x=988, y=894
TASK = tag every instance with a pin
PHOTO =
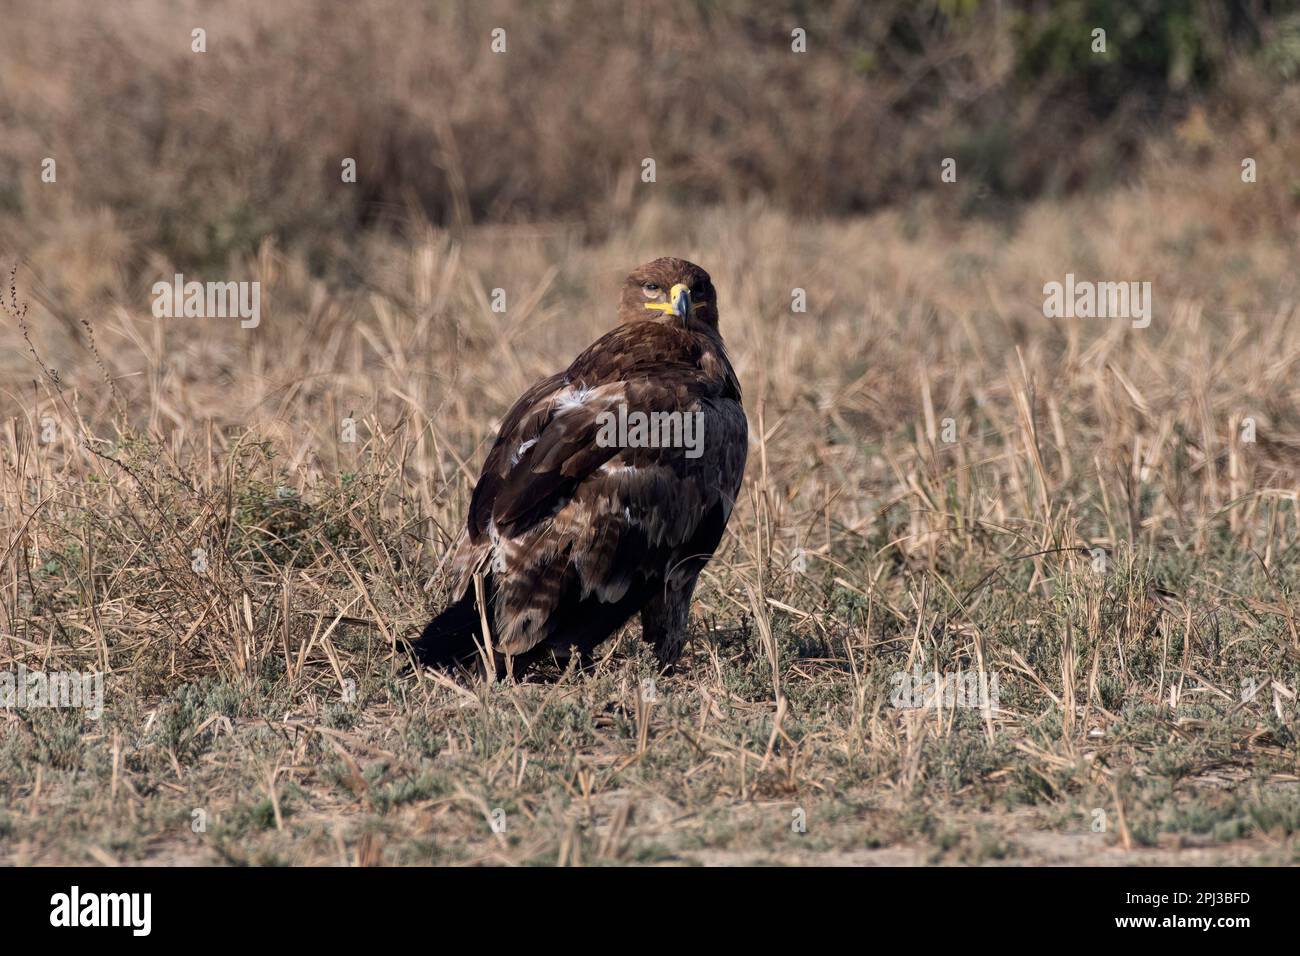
x=201, y=155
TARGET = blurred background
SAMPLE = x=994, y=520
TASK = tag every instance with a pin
x=934, y=467
x=199, y=157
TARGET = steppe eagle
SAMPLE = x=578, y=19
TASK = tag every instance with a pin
x=607, y=490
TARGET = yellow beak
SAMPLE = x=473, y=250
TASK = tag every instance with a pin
x=680, y=297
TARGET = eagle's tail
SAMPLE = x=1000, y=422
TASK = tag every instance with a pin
x=451, y=638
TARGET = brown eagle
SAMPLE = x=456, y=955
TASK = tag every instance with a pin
x=607, y=490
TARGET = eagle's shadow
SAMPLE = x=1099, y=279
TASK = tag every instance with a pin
x=550, y=665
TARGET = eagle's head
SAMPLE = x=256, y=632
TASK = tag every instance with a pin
x=670, y=290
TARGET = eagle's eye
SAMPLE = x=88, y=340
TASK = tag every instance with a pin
x=651, y=289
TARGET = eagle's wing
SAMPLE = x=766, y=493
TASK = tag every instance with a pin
x=576, y=536
x=546, y=447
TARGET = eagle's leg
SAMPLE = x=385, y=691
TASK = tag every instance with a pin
x=664, y=619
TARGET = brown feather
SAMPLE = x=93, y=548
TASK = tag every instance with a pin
x=575, y=537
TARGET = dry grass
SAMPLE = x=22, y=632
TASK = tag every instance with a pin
x=265, y=691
